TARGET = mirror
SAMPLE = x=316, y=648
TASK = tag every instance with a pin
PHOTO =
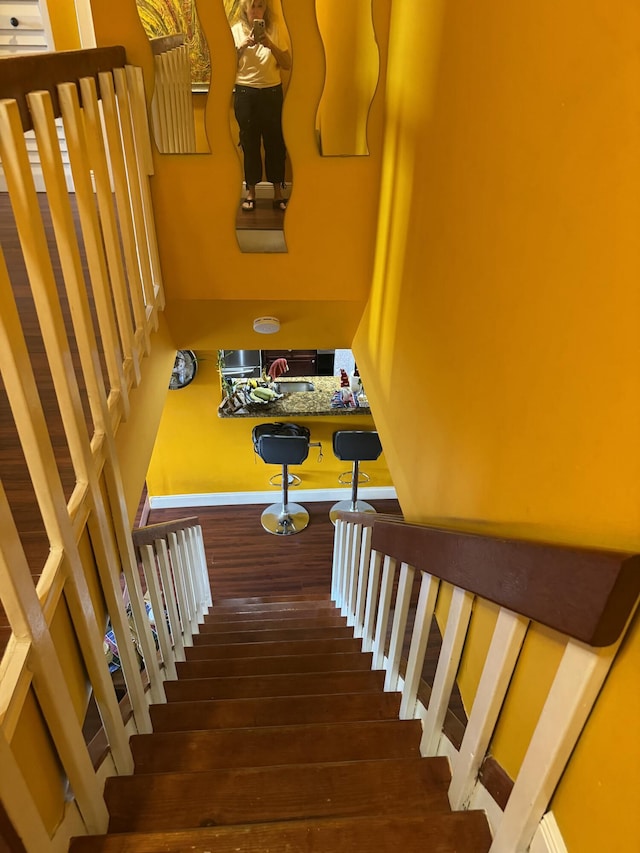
x=351, y=76
x=263, y=53
x=182, y=75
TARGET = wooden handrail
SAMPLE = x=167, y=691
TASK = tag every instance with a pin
x=148, y=535
x=20, y=75
x=585, y=593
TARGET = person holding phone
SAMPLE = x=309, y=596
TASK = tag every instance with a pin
x=258, y=98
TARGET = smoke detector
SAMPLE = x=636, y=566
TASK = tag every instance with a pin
x=266, y=325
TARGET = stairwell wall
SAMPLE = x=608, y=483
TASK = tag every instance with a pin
x=507, y=270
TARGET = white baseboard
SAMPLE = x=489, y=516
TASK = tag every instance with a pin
x=383, y=493
x=548, y=838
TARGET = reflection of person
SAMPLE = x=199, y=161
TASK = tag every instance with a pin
x=258, y=99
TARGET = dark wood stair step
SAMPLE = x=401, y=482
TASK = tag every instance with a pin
x=274, y=606
x=270, y=599
x=244, y=687
x=456, y=832
x=274, y=711
x=407, y=786
x=331, y=632
x=226, y=624
x=283, y=647
x=259, y=747
x=274, y=665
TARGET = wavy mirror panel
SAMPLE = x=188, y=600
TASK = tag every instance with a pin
x=182, y=75
x=263, y=65
x=351, y=77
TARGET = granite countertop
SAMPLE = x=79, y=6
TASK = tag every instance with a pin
x=300, y=404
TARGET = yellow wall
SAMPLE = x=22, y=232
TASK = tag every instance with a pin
x=351, y=71
x=64, y=24
x=507, y=277
x=196, y=196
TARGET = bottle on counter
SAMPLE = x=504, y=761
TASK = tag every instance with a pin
x=346, y=394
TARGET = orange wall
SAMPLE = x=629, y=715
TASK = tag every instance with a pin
x=506, y=286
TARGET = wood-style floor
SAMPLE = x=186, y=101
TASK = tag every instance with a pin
x=263, y=218
x=244, y=560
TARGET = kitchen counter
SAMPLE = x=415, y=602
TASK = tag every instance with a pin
x=300, y=404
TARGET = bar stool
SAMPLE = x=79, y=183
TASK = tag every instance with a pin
x=354, y=446
x=284, y=518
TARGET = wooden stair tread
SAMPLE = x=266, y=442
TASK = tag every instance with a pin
x=311, y=615
x=456, y=832
x=286, y=792
x=266, y=636
x=273, y=649
x=258, y=747
x=275, y=606
x=295, y=620
x=269, y=599
x=296, y=684
x=274, y=665
x=274, y=711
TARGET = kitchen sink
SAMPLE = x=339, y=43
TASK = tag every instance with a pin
x=290, y=387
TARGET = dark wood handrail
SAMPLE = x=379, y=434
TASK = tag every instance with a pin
x=585, y=593
x=148, y=535
x=20, y=75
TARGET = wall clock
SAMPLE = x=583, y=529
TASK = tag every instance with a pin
x=184, y=369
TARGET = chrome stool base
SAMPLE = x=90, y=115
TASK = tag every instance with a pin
x=346, y=478
x=276, y=480
x=284, y=519
x=349, y=506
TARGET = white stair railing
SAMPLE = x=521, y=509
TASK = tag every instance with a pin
x=532, y=583
x=174, y=564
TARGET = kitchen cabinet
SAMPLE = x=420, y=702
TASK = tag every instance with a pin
x=302, y=362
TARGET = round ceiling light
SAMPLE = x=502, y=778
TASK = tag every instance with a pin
x=266, y=325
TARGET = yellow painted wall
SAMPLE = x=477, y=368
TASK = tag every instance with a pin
x=64, y=24
x=196, y=196
x=506, y=277
x=351, y=70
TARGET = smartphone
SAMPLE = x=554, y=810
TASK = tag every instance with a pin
x=258, y=29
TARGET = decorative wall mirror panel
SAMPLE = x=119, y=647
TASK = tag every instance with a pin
x=263, y=64
x=182, y=75
x=351, y=77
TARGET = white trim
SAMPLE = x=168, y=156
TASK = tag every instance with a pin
x=382, y=493
x=548, y=838
x=481, y=799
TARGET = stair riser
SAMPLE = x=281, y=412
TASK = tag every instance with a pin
x=246, y=650
x=306, y=744
x=462, y=832
x=223, y=797
x=273, y=666
x=275, y=607
x=275, y=711
x=230, y=603
x=288, y=623
x=274, y=685
x=272, y=635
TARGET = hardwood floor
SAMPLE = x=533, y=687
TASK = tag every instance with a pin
x=263, y=218
x=244, y=560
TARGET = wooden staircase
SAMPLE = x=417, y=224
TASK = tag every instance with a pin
x=277, y=736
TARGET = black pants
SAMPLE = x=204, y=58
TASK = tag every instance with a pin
x=259, y=116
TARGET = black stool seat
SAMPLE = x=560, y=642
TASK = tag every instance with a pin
x=284, y=518
x=354, y=445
